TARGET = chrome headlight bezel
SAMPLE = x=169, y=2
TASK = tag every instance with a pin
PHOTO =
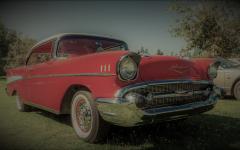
x=125, y=66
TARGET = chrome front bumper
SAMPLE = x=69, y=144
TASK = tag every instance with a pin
x=119, y=112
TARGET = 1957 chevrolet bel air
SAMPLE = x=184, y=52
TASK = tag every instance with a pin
x=99, y=82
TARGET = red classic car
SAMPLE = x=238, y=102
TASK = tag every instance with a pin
x=99, y=81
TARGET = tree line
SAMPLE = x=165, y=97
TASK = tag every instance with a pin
x=145, y=51
x=13, y=48
x=210, y=28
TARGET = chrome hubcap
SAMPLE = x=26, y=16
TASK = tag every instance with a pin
x=83, y=115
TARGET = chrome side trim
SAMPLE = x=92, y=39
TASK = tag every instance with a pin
x=16, y=78
x=11, y=79
x=71, y=75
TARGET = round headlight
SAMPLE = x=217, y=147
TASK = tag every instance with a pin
x=212, y=71
x=127, y=68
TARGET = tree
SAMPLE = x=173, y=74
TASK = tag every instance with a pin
x=18, y=51
x=146, y=51
x=159, y=52
x=13, y=48
x=143, y=51
x=6, y=38
x=196, y=52
x=212, y=27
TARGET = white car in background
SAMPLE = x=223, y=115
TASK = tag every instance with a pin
x=228, y=77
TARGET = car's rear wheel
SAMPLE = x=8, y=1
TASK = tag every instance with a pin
x=236, y=90
x=86, y=120
x=20, y=105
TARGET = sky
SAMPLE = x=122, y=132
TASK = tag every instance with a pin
x=139, y=23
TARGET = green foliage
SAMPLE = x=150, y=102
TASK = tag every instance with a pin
x=212, y=27
x=6, y=37
x=143, y=51
x=159, y=52
x=18, y=51
x=13, y=48
x=172, y=54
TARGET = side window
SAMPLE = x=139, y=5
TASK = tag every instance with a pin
x=41, y=54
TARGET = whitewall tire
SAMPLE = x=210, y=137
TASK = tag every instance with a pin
x=86, y=120
x=236, y=91
x=20, y=105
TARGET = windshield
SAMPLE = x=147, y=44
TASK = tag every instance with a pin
x=80, y=45
x=225, y=63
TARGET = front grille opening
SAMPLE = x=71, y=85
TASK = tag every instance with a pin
x=163, y=95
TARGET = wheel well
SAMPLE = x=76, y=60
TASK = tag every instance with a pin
x=232, y=88
x=67, y=98
x=14, y=93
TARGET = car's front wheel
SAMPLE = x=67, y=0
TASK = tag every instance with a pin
x=236, y=90
x=86, y=120
x=20, y=105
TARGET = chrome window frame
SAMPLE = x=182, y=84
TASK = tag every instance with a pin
x=79, y=35
x=38, y=45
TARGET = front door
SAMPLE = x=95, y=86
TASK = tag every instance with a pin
x=38, y=81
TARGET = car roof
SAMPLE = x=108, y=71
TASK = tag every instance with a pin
x=57, y=36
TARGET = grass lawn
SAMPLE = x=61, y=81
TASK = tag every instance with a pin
x=219, y=128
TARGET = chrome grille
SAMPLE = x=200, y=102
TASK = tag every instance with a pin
x=167, y=94
x=170, y=88
x=171, y=101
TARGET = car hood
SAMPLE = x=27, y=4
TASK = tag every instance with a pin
x=235, y=71
x=150, y=68
x=169, y=68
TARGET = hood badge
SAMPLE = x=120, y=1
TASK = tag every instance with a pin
x=179, y=69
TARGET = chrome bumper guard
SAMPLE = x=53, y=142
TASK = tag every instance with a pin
x=119, y=112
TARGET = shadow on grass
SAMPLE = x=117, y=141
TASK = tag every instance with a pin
x=227, y=97
x=64, y=119
x=2, y=77
x=198, y=132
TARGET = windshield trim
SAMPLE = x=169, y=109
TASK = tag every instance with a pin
x=87, y=36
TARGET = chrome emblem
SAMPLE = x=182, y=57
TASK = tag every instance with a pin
x=105, y=68
x=179, y=69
